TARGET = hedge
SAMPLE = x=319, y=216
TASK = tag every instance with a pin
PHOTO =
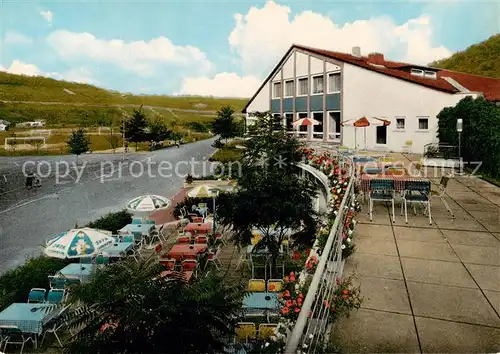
x=480, y=141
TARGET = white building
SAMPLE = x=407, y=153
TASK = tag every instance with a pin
x=334, y=87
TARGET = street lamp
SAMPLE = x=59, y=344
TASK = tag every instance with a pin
x=214, y=192
x=459, y=130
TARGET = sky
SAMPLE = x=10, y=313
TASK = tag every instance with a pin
x=221, y=48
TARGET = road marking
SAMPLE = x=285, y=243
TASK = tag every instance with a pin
x=47, y=196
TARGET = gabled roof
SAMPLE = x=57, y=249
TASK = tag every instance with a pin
x=490, y=87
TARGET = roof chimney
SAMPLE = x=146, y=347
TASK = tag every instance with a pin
x=376, y=58
x=356, y=51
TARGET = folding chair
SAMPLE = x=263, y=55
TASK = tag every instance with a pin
x=201, y=240
x=267, y=330
x=101, y=259
x=183, y=239
x=189, y=265
x=169, y=263
x=257, y=285
x=129, y=238
x=245, y=331
x=381, y=191
x=57, y=282
x=219, y=237
x=214, y=258
x=54, y=326
x=56, y=296
x=37, y=295
x=422, y=196
x=274, y=285
x=443, y=183
x=15, y=336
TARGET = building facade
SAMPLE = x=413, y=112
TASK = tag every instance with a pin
x=333, y=88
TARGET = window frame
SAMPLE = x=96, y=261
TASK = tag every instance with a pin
x=423, y=129
x=312, y=84
x=329, y=89
x=297, y=89
x=274, y=90
x=417, y=72
x=284, y=89
x=404, y=123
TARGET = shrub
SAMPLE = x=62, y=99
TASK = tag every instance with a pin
x=112, y=221
x=16, y=284
x=218, y=144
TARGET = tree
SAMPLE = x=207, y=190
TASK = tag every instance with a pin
x=145, y=313
x=271, y=196
x=78, y=143
x=135, y=127
x=224, y=125
x=36, y=144
x=158, y=131
x=176, y=137
x=13, y=142
x=113, y=140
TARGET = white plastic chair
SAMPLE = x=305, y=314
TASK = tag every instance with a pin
x=15, y=336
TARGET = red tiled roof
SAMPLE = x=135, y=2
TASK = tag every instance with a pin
x=490, y=87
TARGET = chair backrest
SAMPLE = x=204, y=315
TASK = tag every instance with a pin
x=444, y=181
x=189, y=264
x=57, y=282
x=158, y=248
x=136, y=221
x=201, y=239
x=257, y=285
x=183, y=239
x=274, y=285
x=197, y=219
x=418, y=186
x=14, y=333
x=101, y=259
x=37, y=295
x=267, y=330
x=128, y=238
x=169, y=263
x=55, y=296
x=246, y=331
x=381, y=184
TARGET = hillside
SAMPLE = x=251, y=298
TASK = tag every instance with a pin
x=478, y=59
x=41, y=89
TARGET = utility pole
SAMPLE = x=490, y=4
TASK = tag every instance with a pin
x=123, y=138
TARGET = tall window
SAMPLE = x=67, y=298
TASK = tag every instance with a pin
x=289, y=88
x=423, y=123
x=317, y=84
x=277, y=90
x=334, y=82
x=302, y=87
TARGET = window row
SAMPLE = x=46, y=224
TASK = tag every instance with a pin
x=303, y=88
x=423, y=123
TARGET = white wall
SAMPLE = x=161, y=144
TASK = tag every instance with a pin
x=261, y=102
x=367, y=93
x=288, y=68
x=316, y=65
x=302, y=64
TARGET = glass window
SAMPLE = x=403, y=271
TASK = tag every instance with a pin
x=317, y=84
x=302, y=87
x=334, y=82
x=400, y=123
x=277, y=90
x=423, y=123
x=289, y=88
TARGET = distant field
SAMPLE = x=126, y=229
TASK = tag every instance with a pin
x=41, y=89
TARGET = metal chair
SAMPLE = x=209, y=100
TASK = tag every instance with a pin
x=267, y=330
x=15, y=336
x=245, y=331
x=56, y=296
x=37, y=295
x=257, y=285
x=275, y=285
x=417, y=192
x=214, y=258
x=381, y=191
x=56, y=325
x=443, y=183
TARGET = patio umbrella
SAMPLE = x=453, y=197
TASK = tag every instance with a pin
x=202, y=191
x=148, y=204
x=78, y=243
x=306, y=121
x=364, y=122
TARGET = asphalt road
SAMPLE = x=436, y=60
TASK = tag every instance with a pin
x=71, y=193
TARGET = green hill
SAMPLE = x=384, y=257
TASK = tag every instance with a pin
x=42, y=89
x=478, y=59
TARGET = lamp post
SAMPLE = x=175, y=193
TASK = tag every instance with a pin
x=214, y=192
x=459, y=130
x=123, y=138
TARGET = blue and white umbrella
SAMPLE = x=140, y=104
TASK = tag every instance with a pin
x=148, y=203
x=78, y=243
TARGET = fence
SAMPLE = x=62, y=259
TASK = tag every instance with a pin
x=312, y=327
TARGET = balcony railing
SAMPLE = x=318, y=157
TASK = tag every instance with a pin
x=312, y=327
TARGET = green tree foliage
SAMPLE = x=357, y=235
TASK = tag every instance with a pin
x=135, y=127
x=112, y=221
x=78, y=143
x=481, y=132
x=478, y=59
x=16, y=284
x=149, y=314
x=158, y=130
x=271, y=196
x=225, y=124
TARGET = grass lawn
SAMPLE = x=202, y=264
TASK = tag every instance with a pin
x=229, y=152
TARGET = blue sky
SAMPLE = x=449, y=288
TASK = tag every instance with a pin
x=222, y=48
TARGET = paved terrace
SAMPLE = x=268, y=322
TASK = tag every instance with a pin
x=428, y=288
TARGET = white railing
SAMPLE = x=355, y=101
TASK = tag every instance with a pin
x=312, y=327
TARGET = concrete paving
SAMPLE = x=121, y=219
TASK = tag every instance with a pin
x=428, y=288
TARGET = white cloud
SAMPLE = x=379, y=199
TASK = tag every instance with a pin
x=13, y=37
x=262, y=36
x=221, y=85
x=47, y=15
x=142, y=57
x=80, y=75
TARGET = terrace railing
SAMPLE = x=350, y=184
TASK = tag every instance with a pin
x=312, y=327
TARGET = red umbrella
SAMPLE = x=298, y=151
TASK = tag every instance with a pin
x=364, y=122
x=306, y=121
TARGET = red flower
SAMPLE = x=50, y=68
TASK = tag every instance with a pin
x=288, y=303
x=297, y=309
x=287, y=293
x=284, y=310
x=345, y=291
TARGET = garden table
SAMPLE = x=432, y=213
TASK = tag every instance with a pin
x=198, y=228
x=77, y=271
x=116, y=249
x=138, y=230
x=29, y=318
x=181, y=251
x=261, y=301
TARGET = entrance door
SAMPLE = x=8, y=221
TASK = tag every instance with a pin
x=381, y=135
x=318, y=129
x=334, y=126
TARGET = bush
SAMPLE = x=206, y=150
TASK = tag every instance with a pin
x=112, y=221
x=16, y=284
x=218, y=144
